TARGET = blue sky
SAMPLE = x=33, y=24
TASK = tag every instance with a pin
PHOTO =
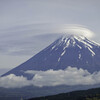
x=28, y=26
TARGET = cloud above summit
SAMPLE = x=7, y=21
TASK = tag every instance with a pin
x=77, y=30
x=31, y=36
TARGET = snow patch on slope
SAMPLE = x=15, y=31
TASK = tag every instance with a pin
x=79, y=46
x=79, y=56
x=93, y=54
x=63, y=53
x=59, y=59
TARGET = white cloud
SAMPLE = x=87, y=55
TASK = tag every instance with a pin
x=70, y=76
x=12, y=43
x=13, y=81
x=77, y=30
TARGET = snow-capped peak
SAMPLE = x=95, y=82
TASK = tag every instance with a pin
x=75, y=40
x=66, y=51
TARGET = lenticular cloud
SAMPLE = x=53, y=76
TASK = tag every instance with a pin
x=70, y=76
x=77, y=30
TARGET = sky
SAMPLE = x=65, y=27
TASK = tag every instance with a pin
x=28, y=26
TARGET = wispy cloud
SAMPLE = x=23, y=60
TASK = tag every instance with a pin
x=26, y=40
x=20, y=21
x=77, y=30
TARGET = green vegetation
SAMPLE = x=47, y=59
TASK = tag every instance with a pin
x=91, y=94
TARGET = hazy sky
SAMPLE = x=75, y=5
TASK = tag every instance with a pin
x=28, y=26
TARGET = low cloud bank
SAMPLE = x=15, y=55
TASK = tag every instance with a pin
x=13, y=81
x=70, y=76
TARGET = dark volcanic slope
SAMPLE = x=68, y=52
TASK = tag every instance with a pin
x=75, y=51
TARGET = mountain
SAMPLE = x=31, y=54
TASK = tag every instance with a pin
x=74, y=51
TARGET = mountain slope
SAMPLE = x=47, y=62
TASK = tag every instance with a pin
x=74, y=51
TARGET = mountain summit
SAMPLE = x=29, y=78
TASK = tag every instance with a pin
x=74, y=51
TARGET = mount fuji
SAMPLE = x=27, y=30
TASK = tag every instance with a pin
x=70, y=63
x=74, y=51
